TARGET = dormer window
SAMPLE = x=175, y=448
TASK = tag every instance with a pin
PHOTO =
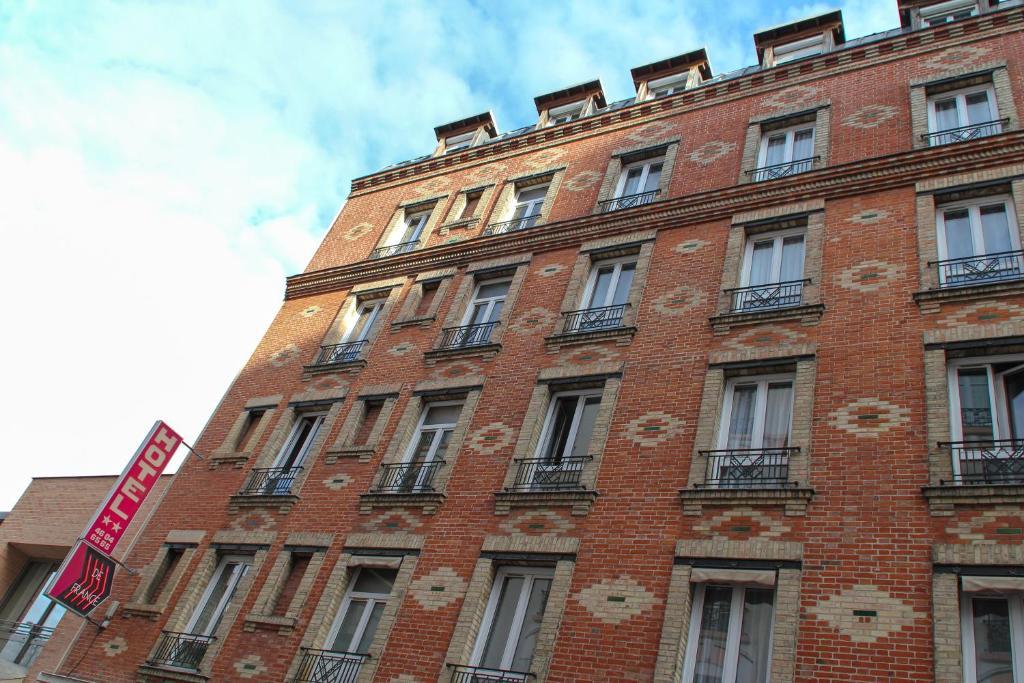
x=663, y=87
x=566, y=113
x=459, y=135
x=671, y=76
x=569, y=104
x=457, y=142
x=788, y=52
x=800, y=39
x=944, y=12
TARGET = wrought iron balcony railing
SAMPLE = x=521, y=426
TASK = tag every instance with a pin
x=964, y=133
x=180, y=650
x=591, y=319
x=467, y=335
x=773, y=295
x=394, y=249
x=21, y=641
x=744, y=468
x=476, y=674
x=512, y=226
x=628, y=201
x=988, y=462
x=973, y=270
x=324, y=666
x=333, y=354
x=270, y=481
x=407, y=477
x=540, y=474
x=782, y=170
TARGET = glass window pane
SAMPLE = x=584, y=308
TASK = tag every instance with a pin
x=423, y=444
x=653, y=177
x=993, y=654
x=959, y=242
x=561, y=421
x=714, y=632
x=373, y=580
x=761, y=263
x=303, y=432
x=440, y=415
x=777, y=415
x=523, y=655
x=371, y=628
x=349, y=624
x=480, y=314
x=995, y=229
x=803, y=144
x=413, y=227
x=442, y=446
x=792, y=259
x=978, y=109
x=501, y=624
x=1013, y=385
x=622, y=286
x=776, y=151
x=585, y=430
x=632, y=184
x=211, y=612
x=741, y=419
x=601, y=284
x=494, y=289
x=945, y=114
x=755, y=636
x=975, y=406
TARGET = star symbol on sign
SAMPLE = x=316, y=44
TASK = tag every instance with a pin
x=107, y=520
x=116, y=527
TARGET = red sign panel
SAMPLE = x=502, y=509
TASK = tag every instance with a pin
x=135, y=483
x=84, y=580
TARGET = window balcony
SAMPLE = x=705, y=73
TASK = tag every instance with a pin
x=984, y=269
x=628, y=201
x=511, y=226
x=21, y=641
x=540, y=474
x=748, y=468
x=988, y=462
x=270, y=481
x=964, y=133
x=416, y=477
x=767, y=297
x=180, y=650
x=467, y=336
x=324, y=666
x=336, y=354
x=476, y=674
x=394, y=249
x=782, y=170
x=594, y=319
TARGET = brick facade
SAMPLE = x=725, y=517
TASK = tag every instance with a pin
x=863, y=542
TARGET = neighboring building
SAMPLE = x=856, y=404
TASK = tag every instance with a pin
x=34, y=538
x=719, y=382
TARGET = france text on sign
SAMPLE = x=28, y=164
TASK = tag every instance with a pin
x=84, y=580
x=135, y=483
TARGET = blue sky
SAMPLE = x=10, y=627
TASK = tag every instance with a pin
x=166, y=164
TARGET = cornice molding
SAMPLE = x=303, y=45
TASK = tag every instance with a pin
x=858, y=177
x=899, y=47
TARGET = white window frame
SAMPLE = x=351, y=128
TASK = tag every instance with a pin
x=733, y=638
x=438, y=429
x=421, y=218
x=374, y=306
x=1016, y=605
x=580, y=106
x=760, y=407
x=454, y=143
x=371, y=601
x=790, y=133
x=531, y=204
x=974, y=207
x=798, y=49
x=588, y=291
x=488, y=301
x=776, y=268
x=961, y=106
x=531, y=574
x=646, y=165
x=945, y=11
x=245, y=564
x=549, y=421
x=318, y=423
x=675, y=83
x=996, y=394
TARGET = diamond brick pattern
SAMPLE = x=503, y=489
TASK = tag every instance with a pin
x=584, y=180
x=870, y=116
x=712, y=151
x=438, y=589
x=741, y=523
x=869, y=276
x=491, y=438
x=538, y=523
x=869, y=417
x=849, y=612
x=653, y=428
x=614, y=601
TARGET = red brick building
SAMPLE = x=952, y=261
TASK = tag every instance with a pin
x=718, y=383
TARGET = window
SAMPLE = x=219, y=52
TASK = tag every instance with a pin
x=639, y=178
x=405, y=237
x=605, y=296
x=358, y=323
x=992, y=626
x=472, y=202
x=730, y=634
x=508, y=634
x=279, y=478
x=943, y=12
x=28, y=616
x=566, y=113
x=426, y=451
x=754, y=435
x=481, y=315
x=773, y=272
x=457, y=142
x=788, y=52
x=361, y=321
x=361, y=610
x=169, y=562
x=565, y=440
x=978, y=242
x=987, y=406
x=785, y=152
x=663, y=87
x=528, y=204
x=963, y=115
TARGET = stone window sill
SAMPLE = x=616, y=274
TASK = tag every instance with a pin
x=485, y=351
x=235, y=460
x=580, y=501
x=283, y=503
x=943, y=498
x=428, y=503
x=154, y=674
x=282, y=624
x=143, y=610
x=795, y=499
x=323, y=368
x=808, y=314
x=424, y=321
x=621, y=335
x=364, y=453
x=931, y=300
